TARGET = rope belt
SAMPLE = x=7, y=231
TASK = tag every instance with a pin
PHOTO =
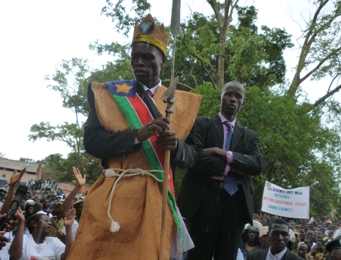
x=109, y=173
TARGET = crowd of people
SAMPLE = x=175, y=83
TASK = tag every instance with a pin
x=44, y=227
x=314, y=239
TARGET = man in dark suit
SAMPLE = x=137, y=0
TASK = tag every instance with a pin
x=279, y=237
x=228, y=154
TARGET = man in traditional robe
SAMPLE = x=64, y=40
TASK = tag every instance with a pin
x=127, y=130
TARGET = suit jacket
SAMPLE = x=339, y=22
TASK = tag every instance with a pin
x=261, y=255
x=246, y=158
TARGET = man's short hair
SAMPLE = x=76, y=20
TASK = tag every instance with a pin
x=233, y=82
x=279, y=221
x=319, y=248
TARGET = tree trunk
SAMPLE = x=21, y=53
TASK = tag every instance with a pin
x=220, y=73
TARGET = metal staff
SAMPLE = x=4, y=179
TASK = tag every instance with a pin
x=169, y=98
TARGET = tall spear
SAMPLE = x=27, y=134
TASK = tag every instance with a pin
x=168, y=97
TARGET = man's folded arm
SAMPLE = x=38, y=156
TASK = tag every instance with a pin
x=250, y=163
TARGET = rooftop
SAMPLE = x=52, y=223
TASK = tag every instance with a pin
x=19, y=165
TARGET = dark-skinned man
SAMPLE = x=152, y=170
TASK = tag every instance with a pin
x=279, y=237
x=216, y=196
x=121, y=218
x=252, y=244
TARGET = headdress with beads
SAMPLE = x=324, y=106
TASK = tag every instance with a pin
x=148, y=32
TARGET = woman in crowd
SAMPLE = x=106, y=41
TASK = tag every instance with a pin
x=36, y=243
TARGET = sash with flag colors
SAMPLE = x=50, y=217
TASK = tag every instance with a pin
x=137, y=114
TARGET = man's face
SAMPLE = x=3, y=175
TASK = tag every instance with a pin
x=314, y=250
x=302, y=250
x=335, y=254
x=46, y=204
x=79, y=209
x=331, y=233
x=279, y=237
x=308, y=242
x=146, y=63
x=22, y=204
x=252, y=236
x=30, y=210
x=302, y=235
x=319, y=238
x=264, y=241
x=231, y=100
x=310, y=234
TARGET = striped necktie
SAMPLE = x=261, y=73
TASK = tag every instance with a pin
x=149, y=93
x=230, y=180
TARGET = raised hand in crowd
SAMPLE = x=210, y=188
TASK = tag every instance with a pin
x=81, y=180
x=67, y=204
x=15, y=251
x=15, y=178
x=68, y=220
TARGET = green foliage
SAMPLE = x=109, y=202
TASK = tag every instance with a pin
x=118, y=70
x=74, y=98
x=251, y=57
x=246, y=52
x=210, y=104
x=70, y=134
x=21, y=159
x=124, y=17
x=52, y=166
x=73, y=95
x=320, y=48
x=337, y=207
x=296, y=145
x=55, y=167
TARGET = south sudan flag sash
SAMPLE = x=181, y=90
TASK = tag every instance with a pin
x=138, y=114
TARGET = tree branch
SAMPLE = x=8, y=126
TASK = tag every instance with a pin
x=195, y=80
x=203, y=64
x=320, y=64
x=310, y=38
x=215, y=8
x=329, y=94
x=179, y=83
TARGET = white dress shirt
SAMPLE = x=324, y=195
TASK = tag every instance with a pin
x=270, y=256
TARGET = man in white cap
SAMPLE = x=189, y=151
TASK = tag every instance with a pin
x=264, y=238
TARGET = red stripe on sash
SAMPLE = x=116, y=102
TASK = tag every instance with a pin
x=145, y=116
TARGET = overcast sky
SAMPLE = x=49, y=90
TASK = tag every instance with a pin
x=36, y=35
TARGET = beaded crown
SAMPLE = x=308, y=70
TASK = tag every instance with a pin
x=148, y=32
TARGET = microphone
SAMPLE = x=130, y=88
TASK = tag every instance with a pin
x=19, y=195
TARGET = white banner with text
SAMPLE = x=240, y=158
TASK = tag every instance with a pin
x=290, y=203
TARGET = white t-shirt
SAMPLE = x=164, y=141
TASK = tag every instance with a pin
x=74, y=228
x=52, y=248
x=4, y=251
x=240, y=255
